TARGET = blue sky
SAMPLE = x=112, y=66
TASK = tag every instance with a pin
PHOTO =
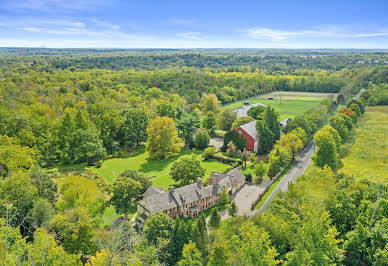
x=194, y=24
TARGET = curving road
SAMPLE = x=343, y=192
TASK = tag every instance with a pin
x=300, y=165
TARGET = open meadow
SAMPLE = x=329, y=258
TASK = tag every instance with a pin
x=158, y=170
x=287, y=103
x=368, y=156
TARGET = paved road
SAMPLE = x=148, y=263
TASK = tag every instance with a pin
x=300, y=165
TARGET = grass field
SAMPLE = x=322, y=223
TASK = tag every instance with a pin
x=368, y=156
x=287, y=104
x=158, y=170
x=89, y=185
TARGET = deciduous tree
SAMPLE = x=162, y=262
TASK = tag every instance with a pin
x=186, y=170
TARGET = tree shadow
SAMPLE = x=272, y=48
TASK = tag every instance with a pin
x=152, y=165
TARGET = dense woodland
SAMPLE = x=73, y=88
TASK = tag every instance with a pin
x=62, y=107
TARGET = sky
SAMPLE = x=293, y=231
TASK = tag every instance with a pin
x=194, y=24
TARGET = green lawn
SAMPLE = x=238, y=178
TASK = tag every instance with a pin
x=368, y=156
x=291, y=103
x=90, y=185
x=158, y=170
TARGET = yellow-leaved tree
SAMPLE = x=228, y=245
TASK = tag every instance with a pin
x=162, y=137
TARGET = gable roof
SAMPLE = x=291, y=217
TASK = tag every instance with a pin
x=166, y=200
x=250, y=128
x=152, y=191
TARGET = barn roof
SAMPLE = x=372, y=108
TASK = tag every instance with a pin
x=250, y=129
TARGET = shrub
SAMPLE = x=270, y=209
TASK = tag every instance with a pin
x=209, y=152
x=201, y=138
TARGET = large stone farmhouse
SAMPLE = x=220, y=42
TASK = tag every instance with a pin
x=248, y=131
x=188, y=200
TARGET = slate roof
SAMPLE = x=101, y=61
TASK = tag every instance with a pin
x=152, y=191
x=284, y=122
x=243, y=111
x=187, y=194
x=250, y=128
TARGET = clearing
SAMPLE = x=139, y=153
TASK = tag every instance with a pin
x=84, y=183
x=287, y=103
x=158, y=170
x=368, y=156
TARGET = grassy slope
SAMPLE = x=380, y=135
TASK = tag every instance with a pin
x=368, y=157
x=158, y=170
x=90, y=185
x=292, y=103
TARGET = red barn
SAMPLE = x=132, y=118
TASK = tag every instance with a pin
x=250, y=134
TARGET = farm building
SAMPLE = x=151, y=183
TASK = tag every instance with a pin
x=249, y=133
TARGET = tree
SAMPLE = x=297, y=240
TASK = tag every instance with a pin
x=201, y=138
x=372, y=101
x=232, y=148
x=356, y=109
x=64, y=135
x=255, y=246
x=224, y=197
x=199, y=235
x=300, y=122
x=144, y=181
x=46, y=186
x=338, y=124
x=326, y=150
x=233, y=209
x=292, y=141
x=252, y=157
x=165, y=108
x=271, y=120
x=242, y=121
x=266, y=137
x=215, y=218
x=209, y=103
x=45, y=250
x=186, y=170
x=260, y=172
x=86, y=146
x=208, y=153
x=125, y=192
x=191, y=256
x=219, y=255
x=157, y=227
x=162, y=139
x=257, y=112
x=75, y=230
x=209, y=123
x=14, y=157
x=134, y=128
x=335, y=136
x=226, y=119
x=236, y=138
x=41, y=213
x=187, y=125
x=180, y=237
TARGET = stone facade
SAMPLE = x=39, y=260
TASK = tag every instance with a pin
x=189, y=200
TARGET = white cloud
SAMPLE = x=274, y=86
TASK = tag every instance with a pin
x=319, y=32
x=105, y=24
x=191, y=35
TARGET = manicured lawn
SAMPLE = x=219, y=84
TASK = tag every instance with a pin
x=291, y=103
x=91, y=186
x=368, y=156
x=158, y=170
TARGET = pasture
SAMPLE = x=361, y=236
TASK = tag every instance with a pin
x=368, y=156
x=287, y=103
x=158, y=170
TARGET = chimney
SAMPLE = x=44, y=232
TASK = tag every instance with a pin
x=199, y=181
x=162, y=187
x=172, y=188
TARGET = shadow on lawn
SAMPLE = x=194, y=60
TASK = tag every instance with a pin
x=156, y=165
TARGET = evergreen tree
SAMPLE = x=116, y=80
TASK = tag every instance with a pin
x=271, y=119
x=187, y=125
x=209, y=123
x=266, y=137
x=191, y=256
x=215, y=218
x=219, y=255
x=233, y=209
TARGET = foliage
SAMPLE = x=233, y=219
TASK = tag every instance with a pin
x=257, y=112
x=260, y=171
x=162, y=139
x=224, y=197
x=134, y=127
x=225, y=119
x=219, y=255
x=126, y=191
x=338, y=123
x=215, y=218
x=236, y=138
x=186, y=170
x=201, y=138
x=326, y=150
x=191, y=256
x=209, y=103
x=232, y=209
x=271, y=120
x=209, y=122
x=208, y=153
x=187, y=125
x=47, y=188
x=242, y=121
